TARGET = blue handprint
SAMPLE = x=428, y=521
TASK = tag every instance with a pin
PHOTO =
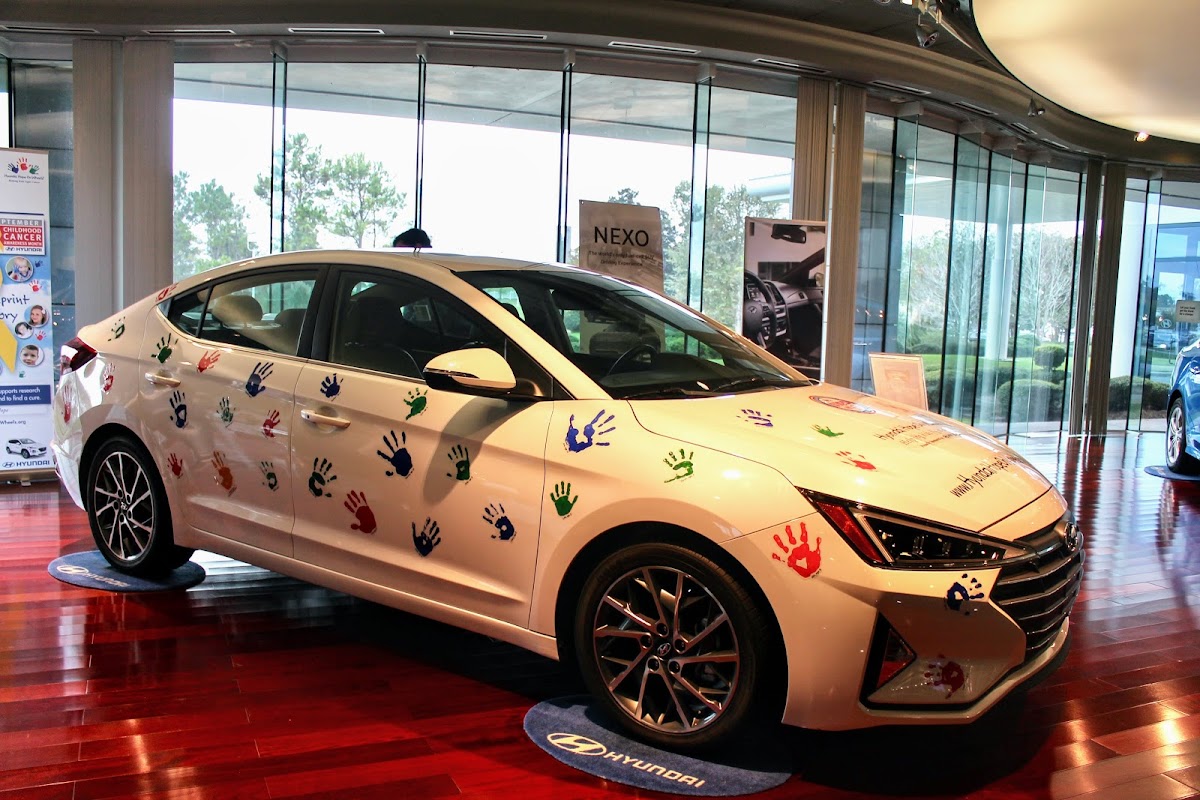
x=397, y=455
x=428, y=538
x=498, y=518
x=254, y=384
x=179, y=409
x=958, y=594
x=576, y=445
x=757, y=417
x=330, y=386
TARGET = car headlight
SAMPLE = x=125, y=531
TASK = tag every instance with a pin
x=886, y=539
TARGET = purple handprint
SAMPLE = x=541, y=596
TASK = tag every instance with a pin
x=573, y=441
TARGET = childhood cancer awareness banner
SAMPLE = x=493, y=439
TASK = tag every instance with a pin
x=26, y=339
x=783, y=300
x=622, y=240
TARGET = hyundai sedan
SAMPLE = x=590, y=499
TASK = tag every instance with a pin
x=582, y=467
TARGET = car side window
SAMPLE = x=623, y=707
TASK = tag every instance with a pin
x=260, y=312
x=185, y=311
x=396, y=325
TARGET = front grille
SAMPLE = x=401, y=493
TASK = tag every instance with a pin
x=1038, y=592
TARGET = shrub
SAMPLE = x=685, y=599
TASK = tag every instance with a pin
x=1050, y=356
x=1026, y=343
x=1154, y=395
x=1043, y=399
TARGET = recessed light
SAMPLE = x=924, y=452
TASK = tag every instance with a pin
x=773, y=62
x=188, y=31
x=339, y=31
x=975, y=108
x=899, y=87
x=1141, y=136
x=654, y=48
x=46, y=29
x=524, y=37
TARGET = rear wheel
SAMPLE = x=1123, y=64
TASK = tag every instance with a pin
x=673, y=646
x=128, y=511
x=1178, y=459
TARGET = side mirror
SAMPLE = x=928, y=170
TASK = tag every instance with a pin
x=476, y=368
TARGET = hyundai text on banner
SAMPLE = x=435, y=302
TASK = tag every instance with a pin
x=26, y=338
x=622, y=240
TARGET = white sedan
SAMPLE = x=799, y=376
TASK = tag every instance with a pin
x=579, y=466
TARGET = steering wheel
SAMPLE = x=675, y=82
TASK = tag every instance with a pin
x=631, y=354
x=754, y=327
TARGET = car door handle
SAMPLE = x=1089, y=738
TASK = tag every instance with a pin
x=314, y=418
x=163, y=380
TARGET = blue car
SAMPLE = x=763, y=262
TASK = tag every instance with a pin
x=1183, y=415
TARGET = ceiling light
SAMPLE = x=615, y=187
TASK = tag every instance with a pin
x=1141, y=136
x=927, y=33
x=339, y=31
x=653, y=48
x=45, y=29
x=188, y=31
x=1034, y=109
x=524, y=37
x=774, y=62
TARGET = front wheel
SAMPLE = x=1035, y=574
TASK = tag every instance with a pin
x=24, y=454
x=673, y=646
x=128, y=511
x=1178, y=459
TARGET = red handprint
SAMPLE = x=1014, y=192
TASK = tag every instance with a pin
x=175, y=464
x=40, y=335
x=269, y=424
x=35, y=286
x=208, y=359
x=67, y=397
x=948, y=675
x=858, y=461
x=163, y=294
x=108, y=375
x=810, y=556
x=356, y=504
x=224, y=474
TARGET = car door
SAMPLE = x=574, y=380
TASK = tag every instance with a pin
x=434, y=493
x=220, y=369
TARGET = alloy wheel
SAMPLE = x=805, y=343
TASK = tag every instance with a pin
x=123, y=503
x=666, y=650
x=1175, y=434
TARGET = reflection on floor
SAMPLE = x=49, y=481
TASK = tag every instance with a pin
x=253, y=685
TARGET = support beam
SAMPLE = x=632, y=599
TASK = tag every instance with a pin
x=841, y=278
x=1108, y=265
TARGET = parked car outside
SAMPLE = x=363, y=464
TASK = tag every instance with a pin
x=577, y=465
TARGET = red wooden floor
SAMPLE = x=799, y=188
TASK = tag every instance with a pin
x=252, y=685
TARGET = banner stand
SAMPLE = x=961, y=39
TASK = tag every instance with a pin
x=27, y=354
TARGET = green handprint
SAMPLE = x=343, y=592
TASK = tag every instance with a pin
x=226, y=411
x=163, y=349
x=682, y=464
x=118, y=330
x=821, y=429
x=561, y=497
x=415, y=401
x=462, y=463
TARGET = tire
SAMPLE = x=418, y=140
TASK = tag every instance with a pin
x=128, y=511
x=640, y=659
x=24, y=454
x=1178, y=459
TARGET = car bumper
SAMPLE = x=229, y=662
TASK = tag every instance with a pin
x=968, y=655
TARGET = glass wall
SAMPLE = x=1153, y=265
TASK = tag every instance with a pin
x=5, y=128
x=976, y=254
x=42, y=102
x=222, y=164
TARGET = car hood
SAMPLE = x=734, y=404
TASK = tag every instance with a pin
x=854, y=446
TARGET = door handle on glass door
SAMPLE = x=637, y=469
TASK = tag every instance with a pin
x=314, y=418
x=163, y=380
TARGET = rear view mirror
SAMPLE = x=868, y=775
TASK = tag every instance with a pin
x=476, y=368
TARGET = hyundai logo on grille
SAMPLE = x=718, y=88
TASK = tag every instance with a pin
x=1072, y=538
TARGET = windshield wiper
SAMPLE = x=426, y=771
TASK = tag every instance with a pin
x=667, y=391
x=752, y=381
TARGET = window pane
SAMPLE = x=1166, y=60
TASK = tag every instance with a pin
x=350, y=154
x=751, y=145
x=263, y=312
x=222, y=164
x=492, y=161
x=874, y=234
x=186, y=310
x=631, y=142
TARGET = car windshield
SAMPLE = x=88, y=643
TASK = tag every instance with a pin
x=631, y=341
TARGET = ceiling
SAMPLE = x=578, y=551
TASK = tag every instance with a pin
x=1133, y=66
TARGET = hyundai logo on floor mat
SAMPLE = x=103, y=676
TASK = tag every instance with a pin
x=574, y=733
x=90, y=570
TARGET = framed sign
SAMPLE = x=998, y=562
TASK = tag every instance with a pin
x=900, y=378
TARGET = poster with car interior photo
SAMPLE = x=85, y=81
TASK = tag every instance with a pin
x=783, y=291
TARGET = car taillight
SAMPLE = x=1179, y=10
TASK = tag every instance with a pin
x=851, y=531
x=890, y=655
x=74, y=354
